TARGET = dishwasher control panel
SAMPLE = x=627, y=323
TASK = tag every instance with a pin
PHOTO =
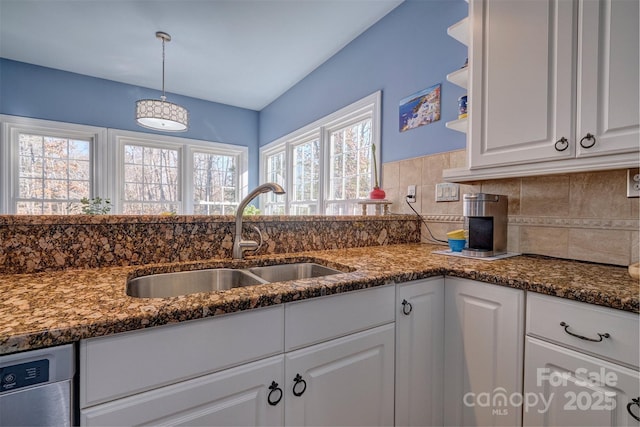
x=21, y=375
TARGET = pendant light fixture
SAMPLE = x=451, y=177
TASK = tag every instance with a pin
x=159, y=114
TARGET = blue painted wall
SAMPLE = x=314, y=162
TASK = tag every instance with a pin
x=45, y=93
x=403, y=53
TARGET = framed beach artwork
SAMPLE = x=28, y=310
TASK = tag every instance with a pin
x=420, y=109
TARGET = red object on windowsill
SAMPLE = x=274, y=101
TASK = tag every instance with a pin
x=377, y=193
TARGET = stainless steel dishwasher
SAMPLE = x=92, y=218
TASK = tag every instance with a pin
x=36, y=387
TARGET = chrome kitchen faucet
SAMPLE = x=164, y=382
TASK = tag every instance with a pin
x=239, y=244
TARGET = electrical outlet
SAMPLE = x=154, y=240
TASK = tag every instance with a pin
x=633, y=182
x=447, y=192
x=411, y=194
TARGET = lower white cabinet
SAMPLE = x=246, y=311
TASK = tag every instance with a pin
x=248, y=395
x=233, y=370
x=347, y=381
x=419, y=352
x=484, y=333
x=581, y=364
x=563, y=387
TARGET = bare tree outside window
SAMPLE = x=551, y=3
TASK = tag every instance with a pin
x=151, y=180
x=350, y=165
x=53, y=174
x=214, y=184
x=306, y=178
x=276, y=172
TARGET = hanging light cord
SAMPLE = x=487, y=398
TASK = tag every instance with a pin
x=432, y=238
x=163, y=97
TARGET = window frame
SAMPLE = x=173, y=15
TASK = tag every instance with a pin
x=105, y=171
x=369, y=106
x=12, y=126
x=187, y=147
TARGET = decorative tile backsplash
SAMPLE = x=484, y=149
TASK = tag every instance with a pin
x=584, y=216
x=31, y=244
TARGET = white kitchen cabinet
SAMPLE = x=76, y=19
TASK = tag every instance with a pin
x=483, y=352
x=248, y=395
x=230, y=370
x=545, y=74
x=419, y=352
x=124, y=364
x=581, y=364
x=563, y=387
x=342, y=369
x=347, y=381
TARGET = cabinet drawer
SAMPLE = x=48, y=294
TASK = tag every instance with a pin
x=320, y=319
x=120, y=365
x=545, y=315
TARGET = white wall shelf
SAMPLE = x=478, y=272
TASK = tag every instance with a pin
x=459, y=125
x=459, y=77
x=460, y=31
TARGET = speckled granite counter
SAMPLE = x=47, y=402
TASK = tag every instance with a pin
x=52, y=308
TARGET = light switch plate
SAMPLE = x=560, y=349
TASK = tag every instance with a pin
x=447, y=192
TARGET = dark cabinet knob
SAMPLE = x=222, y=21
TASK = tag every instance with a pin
x=275, y=395
x=562, y=144
x=407, y=308
x=299, y=386
x=584, y=142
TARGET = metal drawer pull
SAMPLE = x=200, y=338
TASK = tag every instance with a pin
x=630, y=404
x=298, y=380
x=407, y=308
x=566, y=329
x=274, y=389
x=562, y=144
x=588, y=137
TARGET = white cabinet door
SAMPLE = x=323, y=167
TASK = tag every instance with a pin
x=419, y=352
x=608, y=105
x=567, y=388
x=484, y=330
x=235, y=397
x=554, y=86
x=521, y=83
x=347, y=381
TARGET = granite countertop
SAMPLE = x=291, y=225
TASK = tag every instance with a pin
x=53, y=308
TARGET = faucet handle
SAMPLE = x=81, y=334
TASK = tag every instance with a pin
x=259, y=235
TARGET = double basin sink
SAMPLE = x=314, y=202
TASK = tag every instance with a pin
x=166, y=285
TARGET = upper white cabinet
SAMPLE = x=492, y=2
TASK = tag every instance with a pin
x=553, y=87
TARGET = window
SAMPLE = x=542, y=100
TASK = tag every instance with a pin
x=305, y=178
x=275, y=172
x=165, y=174
x=326, y=167
x=151, y=180
x=350, y=167
x=215, y=183
x=49, y=166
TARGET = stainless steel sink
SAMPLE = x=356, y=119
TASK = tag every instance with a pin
x=283, y=272
x=190, y=282
x=165, y=285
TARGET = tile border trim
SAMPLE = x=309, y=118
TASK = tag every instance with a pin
x=558, y=222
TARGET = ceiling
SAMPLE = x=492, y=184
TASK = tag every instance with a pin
x=243, y=53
